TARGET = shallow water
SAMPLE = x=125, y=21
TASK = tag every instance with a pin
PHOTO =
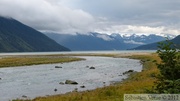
x=41, y=80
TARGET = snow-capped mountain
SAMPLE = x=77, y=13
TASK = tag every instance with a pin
x=154, y=46
x=98, y=41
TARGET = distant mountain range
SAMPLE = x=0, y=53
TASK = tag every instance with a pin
x=17, y=37
x=97, y=41
x=154, y=46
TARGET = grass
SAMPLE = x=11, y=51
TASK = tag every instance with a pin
x=136, y=83
x=34, y=60
x=12, y=61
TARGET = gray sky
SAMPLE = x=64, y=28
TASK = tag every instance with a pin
x=105, y=16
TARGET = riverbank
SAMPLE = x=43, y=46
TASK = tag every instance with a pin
x=31, y=59
x=27, y=60
x=136, y=83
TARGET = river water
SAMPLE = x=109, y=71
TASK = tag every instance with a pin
x=41, y=80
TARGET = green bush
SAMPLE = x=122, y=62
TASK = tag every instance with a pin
x=169, y=79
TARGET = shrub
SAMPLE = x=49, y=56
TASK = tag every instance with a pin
x=169, y=79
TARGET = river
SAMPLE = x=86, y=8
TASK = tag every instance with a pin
x=41, y=80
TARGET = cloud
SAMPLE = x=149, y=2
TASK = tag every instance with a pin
x=134, y=42
x=149, y=16
x=130, y=29
x=45, y=15
x=106, y=16
x=105, y=37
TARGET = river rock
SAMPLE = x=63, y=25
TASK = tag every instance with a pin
x=58, y=67
x=71, y=82
x=92, y=68
x=82, y=86
x=127, y=72
x=55, y=90
x=62, y=83
x=24, y=96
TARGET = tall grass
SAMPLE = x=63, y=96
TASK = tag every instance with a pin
x=34, y=60
x=136, y=83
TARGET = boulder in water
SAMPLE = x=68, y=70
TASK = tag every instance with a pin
x=58, y=67
x=92, y=68
x=71, y=82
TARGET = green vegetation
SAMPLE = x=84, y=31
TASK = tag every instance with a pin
x=34, y=60
x=17, y=37
x=137, y=83
x=169, y=78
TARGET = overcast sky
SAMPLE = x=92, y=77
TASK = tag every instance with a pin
x=105, y=16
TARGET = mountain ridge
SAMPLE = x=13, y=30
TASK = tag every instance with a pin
x=154, y=46
x=18, y=37
x=98, y=41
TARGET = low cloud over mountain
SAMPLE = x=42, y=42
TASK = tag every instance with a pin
x=97, y=41
x=103, y=16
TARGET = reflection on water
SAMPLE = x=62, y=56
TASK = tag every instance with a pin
x=41, y=80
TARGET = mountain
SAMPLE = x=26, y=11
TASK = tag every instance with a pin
x=97, y=41
x=17, y=37
x=153, y=46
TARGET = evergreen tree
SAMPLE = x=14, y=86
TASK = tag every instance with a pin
x=169, y=67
